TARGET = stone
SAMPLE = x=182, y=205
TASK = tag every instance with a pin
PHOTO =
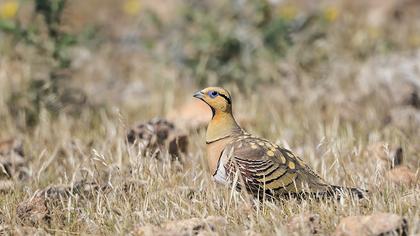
x=307, y=223
x=211, y=225
x=33, y=212
x=85, y=189
x=158, y=135
x=375, y=224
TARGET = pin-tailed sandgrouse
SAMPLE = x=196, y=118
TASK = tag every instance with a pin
x=262, y=167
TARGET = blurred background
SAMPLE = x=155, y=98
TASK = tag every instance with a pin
x=336, y=81
x=63, y=56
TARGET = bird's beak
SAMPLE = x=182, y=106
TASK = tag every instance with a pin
x=199, y=95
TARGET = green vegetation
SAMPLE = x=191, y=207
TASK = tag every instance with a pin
x=49, y=91
x=333, y=82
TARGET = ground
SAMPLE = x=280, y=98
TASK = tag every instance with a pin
x=337, y=83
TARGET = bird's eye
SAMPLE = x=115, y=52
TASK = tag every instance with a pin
x=213, y=94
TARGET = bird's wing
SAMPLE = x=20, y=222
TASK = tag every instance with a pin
x=267, y=167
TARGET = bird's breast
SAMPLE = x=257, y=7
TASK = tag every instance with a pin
x=214, y=152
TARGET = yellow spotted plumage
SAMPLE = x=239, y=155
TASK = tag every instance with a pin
x=264, y=167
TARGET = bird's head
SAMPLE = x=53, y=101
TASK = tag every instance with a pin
x=217, y=98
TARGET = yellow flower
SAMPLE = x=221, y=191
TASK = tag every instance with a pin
x=131, y=7
x=8, y=9
x=331, y=14
x=288, y=12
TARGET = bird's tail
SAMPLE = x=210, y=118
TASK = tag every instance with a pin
x=339, y=191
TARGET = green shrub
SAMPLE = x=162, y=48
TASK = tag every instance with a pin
x=52, y=92
x=217, y=49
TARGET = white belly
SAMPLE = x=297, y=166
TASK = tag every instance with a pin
x=220, y=175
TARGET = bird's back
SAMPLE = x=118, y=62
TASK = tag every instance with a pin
x=266, y=168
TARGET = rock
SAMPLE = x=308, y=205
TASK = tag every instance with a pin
x=402, y=175
x=375, y=224
x=306, y=223
x=193, y=226
x=158, y=135
x=34, y=211
x=391, y=163
x=82, y=188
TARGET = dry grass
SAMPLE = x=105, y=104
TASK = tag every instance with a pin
x=321, y=111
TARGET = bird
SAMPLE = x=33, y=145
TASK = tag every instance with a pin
x=263, y=168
